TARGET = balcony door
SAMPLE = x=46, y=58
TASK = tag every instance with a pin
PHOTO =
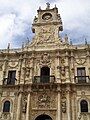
x=81, y=73
x=11, y=77
x=45, y=74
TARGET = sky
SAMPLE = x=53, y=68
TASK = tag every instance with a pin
x=16, y=17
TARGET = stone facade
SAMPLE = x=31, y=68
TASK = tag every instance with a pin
x=47, y=78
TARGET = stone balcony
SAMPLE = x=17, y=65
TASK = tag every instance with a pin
x=82, y=80
x=43, y=79
x=9, y=81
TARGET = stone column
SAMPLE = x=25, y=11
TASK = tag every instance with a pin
x=68, y=104
x=18, y=116
x=28, y=107
x=59, y=105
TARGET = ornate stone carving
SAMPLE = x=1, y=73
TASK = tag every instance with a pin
x=1, y=64
x=45, y=59
x=62, y=70
x=63, y=100
x=80, y=61
x=43, y=100
x=82, y=116
x=27, y=72
x=24, y=104
x=13, y=64
x=46, y=35
x=63, y=105
x=5, y=116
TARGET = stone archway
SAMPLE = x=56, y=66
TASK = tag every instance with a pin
x=43, y=117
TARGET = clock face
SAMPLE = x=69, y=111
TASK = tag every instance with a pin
x=47, y=16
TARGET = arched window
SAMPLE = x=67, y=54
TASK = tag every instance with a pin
x=6, y=106
x=84, y=106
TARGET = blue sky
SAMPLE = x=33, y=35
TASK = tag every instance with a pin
x=16, y=17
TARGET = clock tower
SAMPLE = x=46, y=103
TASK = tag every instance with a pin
x=46, y=26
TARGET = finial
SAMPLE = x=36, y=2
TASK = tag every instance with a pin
x=8, y=46
x=22, y=45
x=70, y=42
x=55, y=6
x=48, y=5
x=40, y=8
x=85, y=41
x=66, y=38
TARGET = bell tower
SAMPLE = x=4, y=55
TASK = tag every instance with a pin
x=47, y=25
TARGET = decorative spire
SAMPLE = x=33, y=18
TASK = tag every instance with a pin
x=40, y=8
x=48, y=5
x=55, y=6
x=8, y=46
x=85, y=41
x=66, y=38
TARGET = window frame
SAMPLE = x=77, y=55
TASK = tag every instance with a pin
x=4, y=109
x=86, y=108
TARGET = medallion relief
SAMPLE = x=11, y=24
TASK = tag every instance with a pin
x=13, y=64
x=80, y=61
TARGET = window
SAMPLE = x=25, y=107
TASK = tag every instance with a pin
x=81, y=73
x=84, y=106
x=11, y=77
x=6, y=106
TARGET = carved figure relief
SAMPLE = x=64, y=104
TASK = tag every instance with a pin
x=63, y=70
x=43, y=101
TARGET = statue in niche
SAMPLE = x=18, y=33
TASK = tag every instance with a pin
x=27, y=72
x=63, y=70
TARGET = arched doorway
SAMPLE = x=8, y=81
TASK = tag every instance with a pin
x=43, y=117
x=45, y=74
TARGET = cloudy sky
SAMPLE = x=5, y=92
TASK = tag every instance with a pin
x=16, y=17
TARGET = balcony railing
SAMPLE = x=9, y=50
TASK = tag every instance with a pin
x=82, y=79
x=44, y=79
x=9, y=81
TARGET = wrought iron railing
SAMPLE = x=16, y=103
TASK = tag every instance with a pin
x=82, y=79
x=9, y=81
x=44, y=79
